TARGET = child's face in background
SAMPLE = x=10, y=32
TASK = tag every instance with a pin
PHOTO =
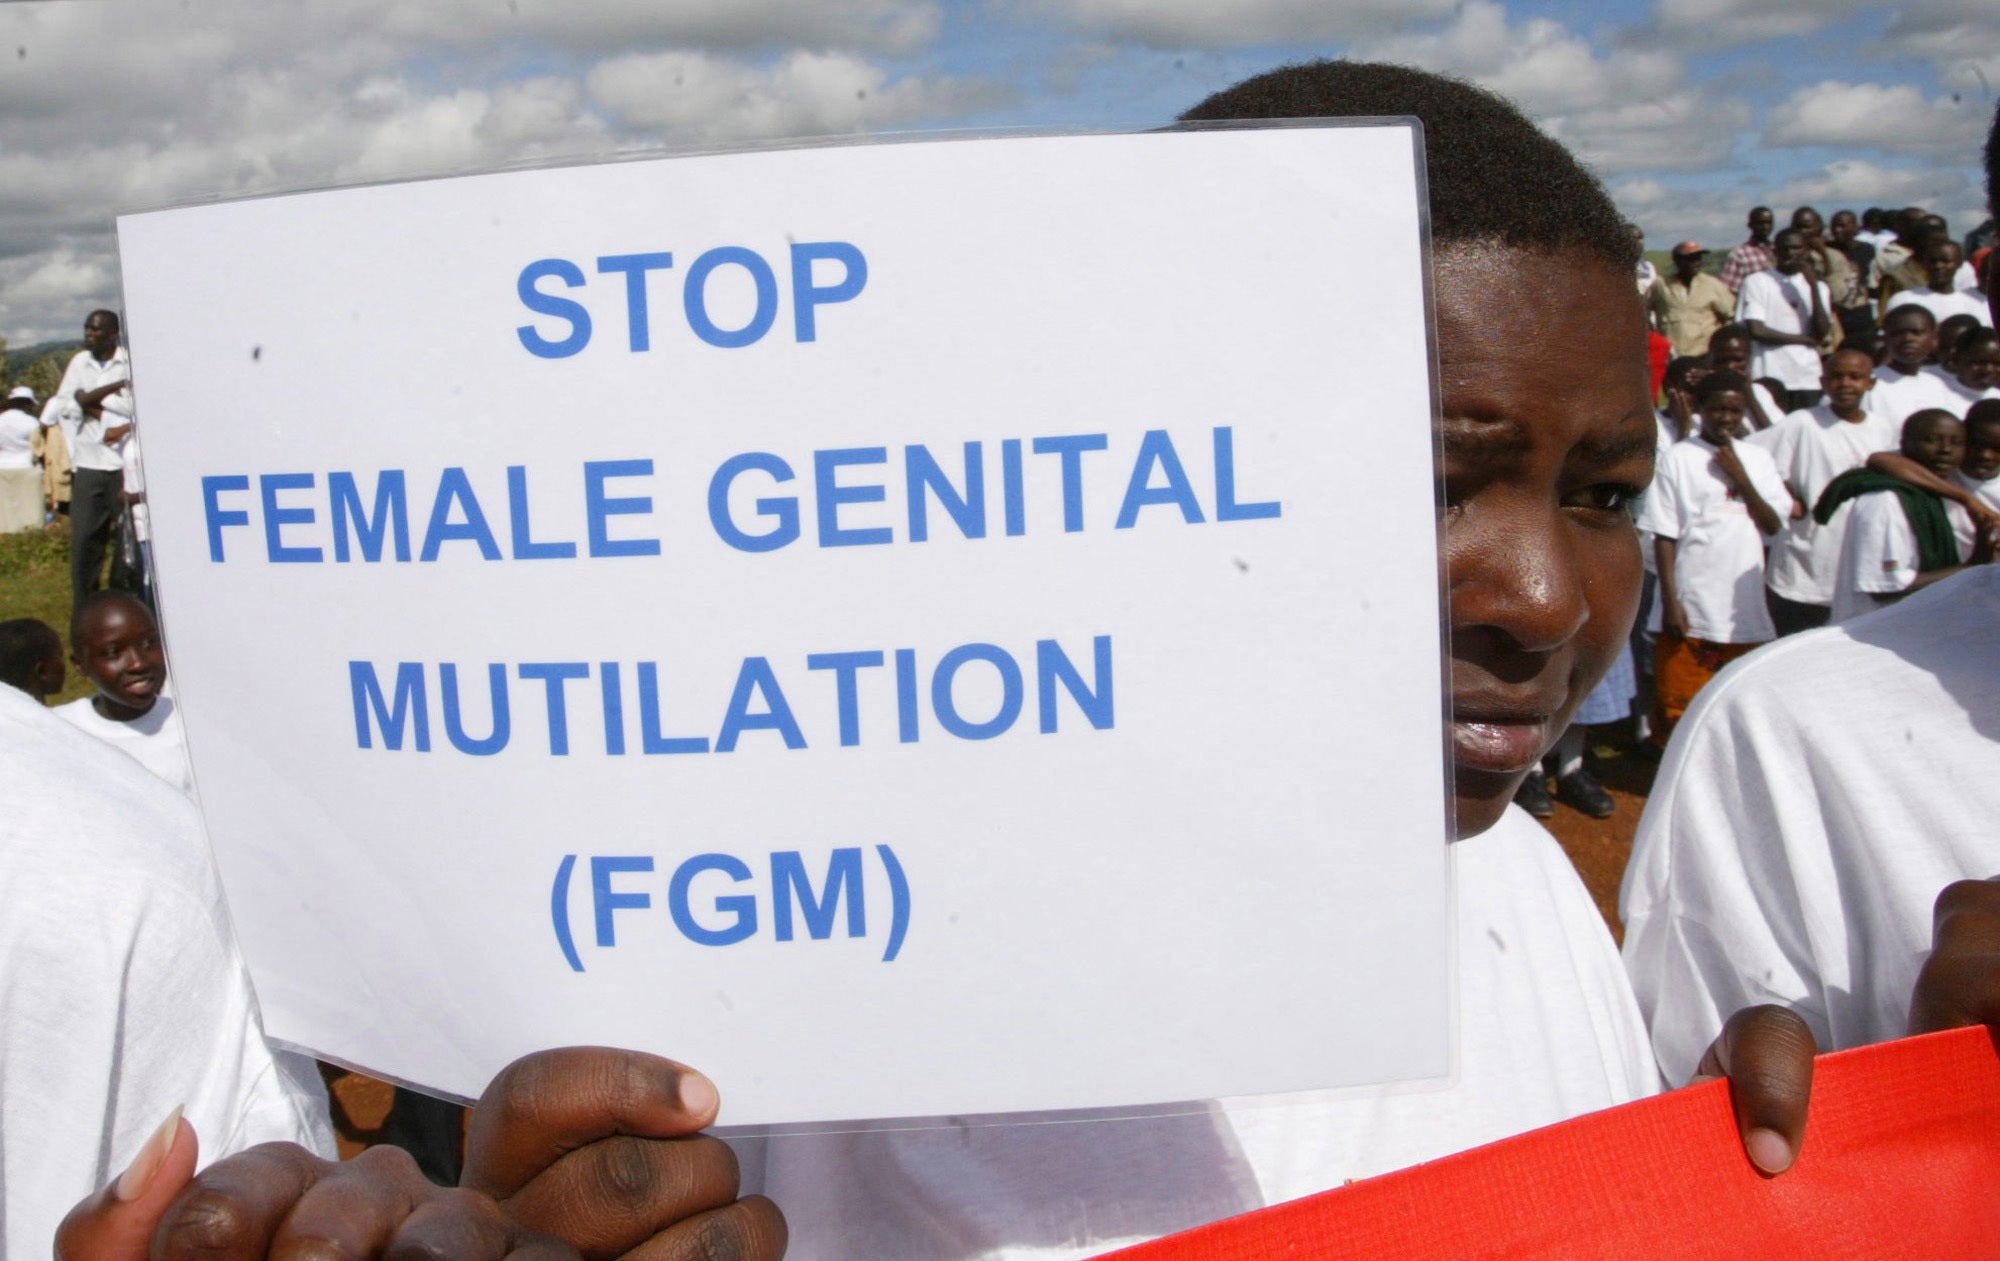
x=1722, y=416
x=1547, y=433
x=1912, y=339
x=1847, y=379
x=1937, y=443
x=1978, y=365
x=1730, y=354
x=118, y=648
x=1982, y=450
x=1941, y=263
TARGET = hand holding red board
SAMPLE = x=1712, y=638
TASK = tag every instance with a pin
x=1901, y=1160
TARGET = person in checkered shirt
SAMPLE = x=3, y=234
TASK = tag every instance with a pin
x=1755, y=254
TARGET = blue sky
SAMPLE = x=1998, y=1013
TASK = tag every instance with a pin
x=1691, y=110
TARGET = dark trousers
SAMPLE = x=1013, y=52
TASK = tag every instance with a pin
x=1791, y=616
x=93, y=506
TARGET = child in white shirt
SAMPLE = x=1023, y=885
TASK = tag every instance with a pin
x=1811, y=448
x=1709, y=511
x=1900, y=538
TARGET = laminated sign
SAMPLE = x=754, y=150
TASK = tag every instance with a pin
x=912, y=629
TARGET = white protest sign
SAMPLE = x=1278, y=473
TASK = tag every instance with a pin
x=911, y=630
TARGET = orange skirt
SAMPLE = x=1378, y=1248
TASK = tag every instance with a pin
x=1684, y=667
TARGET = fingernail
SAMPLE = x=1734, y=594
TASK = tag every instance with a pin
x=1768, y=1150
x=698, y=1095
x=132, y=1183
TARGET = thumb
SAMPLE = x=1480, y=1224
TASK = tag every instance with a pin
x=117, y=1223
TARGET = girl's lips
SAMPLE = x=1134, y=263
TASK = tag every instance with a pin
x=1503, y=747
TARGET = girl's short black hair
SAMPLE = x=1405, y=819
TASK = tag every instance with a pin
x=1493, y=175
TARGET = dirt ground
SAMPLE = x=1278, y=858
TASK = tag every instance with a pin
x=1598, y=848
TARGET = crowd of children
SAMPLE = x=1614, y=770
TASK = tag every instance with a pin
x=1781, y=424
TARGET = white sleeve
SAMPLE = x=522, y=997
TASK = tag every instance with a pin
x=1709, y=903
x=1663, y=512
x=124, y=992
x=119, y=405
x=1903, y=298
x=1754, y=301
x=1880, y=552
x=64, y=399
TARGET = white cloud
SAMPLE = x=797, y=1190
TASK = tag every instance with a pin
x=1853, y=182
x=899, y=26
x=1718, y=24
x=43, y=297
x=1714, y=216
x=1539, y=63
x=1897, y=118
x=1248, y=23
x=1961, y=37
x=1684, y=130
x=694, y=97
x=1621, y=110
x=141, y=103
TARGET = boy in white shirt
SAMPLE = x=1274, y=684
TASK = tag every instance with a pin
x=1787, y=309
x=1942, y=259
x=1810, y=449
x=1974, y=367
x=1729, y=350
x=1710, y=509
x=1907, y=381
x=1979, y=471
x=116, y=643
x=1901, y=538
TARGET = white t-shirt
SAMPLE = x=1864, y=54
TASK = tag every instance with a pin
x=1878, y=553
x=1815, y=799
x=87, y=448
x=1944, y=305
x=1988, y=490
x=1965, y=395
x=1784, y=305
x=1810, y=449
x=122, y=992
x=17, y=438
x=1897, y=396
x=156, y=738
x=1719, y=552
x=1547, y=1031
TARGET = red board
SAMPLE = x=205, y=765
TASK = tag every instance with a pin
x=1901, y=1160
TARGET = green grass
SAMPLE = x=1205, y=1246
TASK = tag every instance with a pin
x=34, y=582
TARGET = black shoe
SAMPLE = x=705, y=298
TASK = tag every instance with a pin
x=1580, y=791
x=1533, y=795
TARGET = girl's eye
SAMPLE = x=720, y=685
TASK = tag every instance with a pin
x=1606, y=497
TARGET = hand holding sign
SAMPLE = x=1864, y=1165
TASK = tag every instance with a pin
x=579, y=1151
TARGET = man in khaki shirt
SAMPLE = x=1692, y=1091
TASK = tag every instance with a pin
x=1688, y=306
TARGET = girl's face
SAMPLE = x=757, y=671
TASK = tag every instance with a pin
x=1548, y=434
x=1978, y=367
x=1722, y=416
